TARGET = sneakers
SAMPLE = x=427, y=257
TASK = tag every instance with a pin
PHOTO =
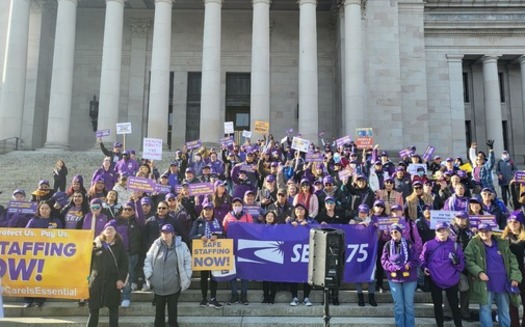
x=145, y=287
x=204, y=302
x=233, y=300
x=244, y=300
x=214, y=304
x=28, y=304
x=266, y=299
x=134, y=286
x=125, y=303
x=307, y=302
x=295, y=302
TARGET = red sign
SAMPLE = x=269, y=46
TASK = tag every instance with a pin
x=364, y=142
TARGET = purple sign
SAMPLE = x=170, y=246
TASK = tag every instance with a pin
x=490, y=220
x=343, y=140
x=22, y=207
x=255, y=211
x=193, y=144
x=314, y=157
x=289, y=131
x=281, y=252
x=519, y=177
x=385, y=222
x=428, y=153
x=345, y=173
x=200, y=189
x=404, y=153
x=162, y=188
x=321, y=134
x=141, y=184
x=102, y=133
x=227, y=141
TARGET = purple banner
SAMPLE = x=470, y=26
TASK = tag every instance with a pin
x=343, y=140
x=22, y=207
x=404, y=153
x=227, y=141
x=519, y=177
x=428, y=153
x=280, y=252
x=141, y=184
x=314, y=157
x=102, y=133
x=476, y=220
x=193, y=144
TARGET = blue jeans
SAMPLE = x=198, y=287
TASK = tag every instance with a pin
x=133, y=261
x=403, y=295
x=234, y=287
x=485, y=310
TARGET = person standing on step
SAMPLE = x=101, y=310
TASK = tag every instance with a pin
x=167, y=270
x=109, y=269
x=443, y=261
x=59, y=176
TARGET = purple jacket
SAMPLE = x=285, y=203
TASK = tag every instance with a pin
x=101, y=221
x=129, y=166
x=19, y=220
x=395, y=272
x=110, y=177
x=435, y=257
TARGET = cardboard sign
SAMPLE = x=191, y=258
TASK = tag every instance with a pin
x=314, y=157
x=412, y=168
x=255, y=211
x=343, y=140
x=490, y=220
x=404, y=153
x=466, y=167
x=284, y=139
x=345, y=173
x=519, y=177
x=300, y=144
x=262, y=127
x=289, y=131
x=152, y=149
x=228, y=127
x=440, y=216
x=364, y=142
x=216, y=255
x=141, y=184
x=247, y=134
x=227, y=141
x=200, y=189
x=22, y=207
x=429, y=151
x=193, y=144
x=162, y=188
x=124, y=128
x=102, y=133
x=321, y=134
x=364, y=132
x=385, y=222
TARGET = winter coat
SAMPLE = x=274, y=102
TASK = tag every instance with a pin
x=161, y=263
x=476, y=263
x=131, y=230
x=106, y=270
x=505, y=168
x=436, y=257
x=393, y=271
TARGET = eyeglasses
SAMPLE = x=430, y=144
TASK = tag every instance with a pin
x=418, y=188
x=162, y=208
x=96, y=207
x=128, y=209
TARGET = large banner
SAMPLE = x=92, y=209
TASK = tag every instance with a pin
x=281, y=252
x=50, y=263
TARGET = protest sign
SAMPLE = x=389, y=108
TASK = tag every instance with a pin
x=152, y=149
x=429, y=151
x=490, y=220
x=262, y=127
x=200, y=188
x=440, y=216
x=385, y=222
x=226, y=141
x=124, y=128
x=284, y=139
x=466, y=167
x=289, y=131
x=314, y=157
x=280, y=253
x=255, y=211
x=519, y=177
x=141, y=184
x=35, y=262
x=247, y=134
x=162, y=188
x=217, y=255
x=404, y=153
x=193, y=144
x=412, y=168
x=345, y=173
x=102, y=133
x=343, y=140
x=365, y=139
x=22, y=207
x=321, y=134
x=228, y=127
x=300, y=144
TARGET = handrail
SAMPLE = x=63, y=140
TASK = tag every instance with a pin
x=3, y=143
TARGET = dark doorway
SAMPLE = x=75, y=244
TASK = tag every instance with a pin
x=193, y=106
x=238, y=88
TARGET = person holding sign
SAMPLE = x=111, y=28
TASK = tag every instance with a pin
x=16, y=219
x=483, y=166
x=493, y=272
x=109, y=270
x=491, y=207
x=167, y=269
x=307, y=198
x=514, y=232
x=415, y=202
x=208, y=229
x=115, y=154
x=443, y=261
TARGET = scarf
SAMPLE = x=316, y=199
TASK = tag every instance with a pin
x=211, y=227
x=399, y=255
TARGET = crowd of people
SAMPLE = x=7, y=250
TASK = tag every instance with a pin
x=268, y=182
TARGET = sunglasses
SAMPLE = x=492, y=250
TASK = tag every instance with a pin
x=162, y=208
x=330, y=202
x=281, y=194
x=128, y=209
x=418, y=188
x=96, y=207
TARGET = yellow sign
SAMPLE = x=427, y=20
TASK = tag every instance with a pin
x=466, y=167
x=262, y=127
x=210, y=255
x=36, y=262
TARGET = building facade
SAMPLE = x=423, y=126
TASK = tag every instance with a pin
x=438, y=72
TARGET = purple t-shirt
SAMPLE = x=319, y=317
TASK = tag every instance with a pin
x=495, y=269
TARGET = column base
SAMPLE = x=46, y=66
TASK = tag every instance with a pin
x=55, y=147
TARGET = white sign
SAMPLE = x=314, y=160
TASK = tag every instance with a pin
x=284, y=139
x=152, y=149
x=440, y=216
x=300, y=144
x=228, y=127
x=247, y=134
x=412, y=168
x=123, y=128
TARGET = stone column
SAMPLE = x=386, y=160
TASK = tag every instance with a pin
x=160, y=72
x=108, y=112
x=308, y=88
x=137, y=76
x=354, y=110
x=260, y=75
x=492, y=100
x=59, y=119
x=14, y=73
x=457, y=105
x=212, y=127
x=522, y=66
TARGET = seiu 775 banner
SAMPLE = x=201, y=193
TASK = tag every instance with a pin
x=281, y=252
x=49, y=263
